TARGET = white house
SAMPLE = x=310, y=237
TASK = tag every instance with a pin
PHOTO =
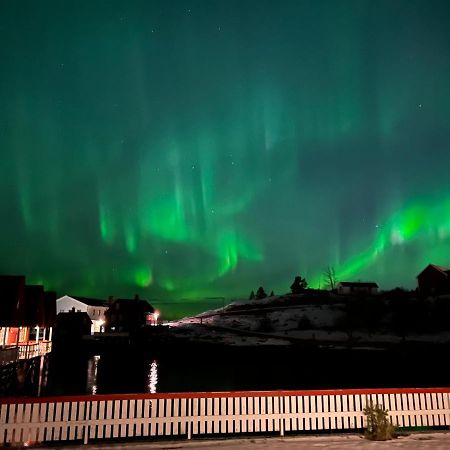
x=95, y=309
x=356, y=287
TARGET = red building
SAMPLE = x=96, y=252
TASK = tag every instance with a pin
x=27, y=318
x=434, y=280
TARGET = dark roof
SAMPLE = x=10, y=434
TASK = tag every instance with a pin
x=35, y=305
x=25, y=305
x=130, y=303
x=50, y=308
x=12, y=300
x=439, y=269
x=358, y=284
x=90, y=301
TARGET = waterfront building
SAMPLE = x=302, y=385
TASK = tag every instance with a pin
x=125, y=315
x=27, y=318
x=72, y=326
x=95, y=308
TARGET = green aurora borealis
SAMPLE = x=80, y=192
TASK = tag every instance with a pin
x=189, y=149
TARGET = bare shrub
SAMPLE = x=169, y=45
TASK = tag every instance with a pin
x=379, y=426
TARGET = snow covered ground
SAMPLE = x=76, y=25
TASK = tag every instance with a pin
x=419, y=441
x=281, y=321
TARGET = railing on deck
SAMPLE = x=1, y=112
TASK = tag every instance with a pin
x=8, y=355
x=220, y=413
x=45, y=347
x=27, y=351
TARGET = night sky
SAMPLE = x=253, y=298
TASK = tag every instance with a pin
x=189, y=149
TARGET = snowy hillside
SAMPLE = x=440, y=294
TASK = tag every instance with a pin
x=285, y=320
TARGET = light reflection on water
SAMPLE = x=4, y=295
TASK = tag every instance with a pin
x=152, y=377
x=230, y=370
x=92, y=372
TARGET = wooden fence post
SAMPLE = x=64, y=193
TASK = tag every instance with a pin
x=189, y=419
x=87, y=418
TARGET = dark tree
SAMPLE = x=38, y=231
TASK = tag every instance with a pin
x=299, y=285
x=252, y=296
x=329, y=275
x=271, y=294
x=260, y=293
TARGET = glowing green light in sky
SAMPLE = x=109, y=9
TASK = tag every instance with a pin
x=426, y=220
x=106, y=225
x=156, y=152
x=166, y=220
x=143, y=277
x=130, y=240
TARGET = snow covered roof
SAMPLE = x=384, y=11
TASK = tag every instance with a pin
x=87, y=301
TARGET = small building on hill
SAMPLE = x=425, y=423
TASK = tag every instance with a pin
x=357, y=288
x=125, y=315
x=95, y=308
x=434, y=280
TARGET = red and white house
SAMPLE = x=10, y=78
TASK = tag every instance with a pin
x=27, y=318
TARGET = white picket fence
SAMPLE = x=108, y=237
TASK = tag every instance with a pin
x=27, y=420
